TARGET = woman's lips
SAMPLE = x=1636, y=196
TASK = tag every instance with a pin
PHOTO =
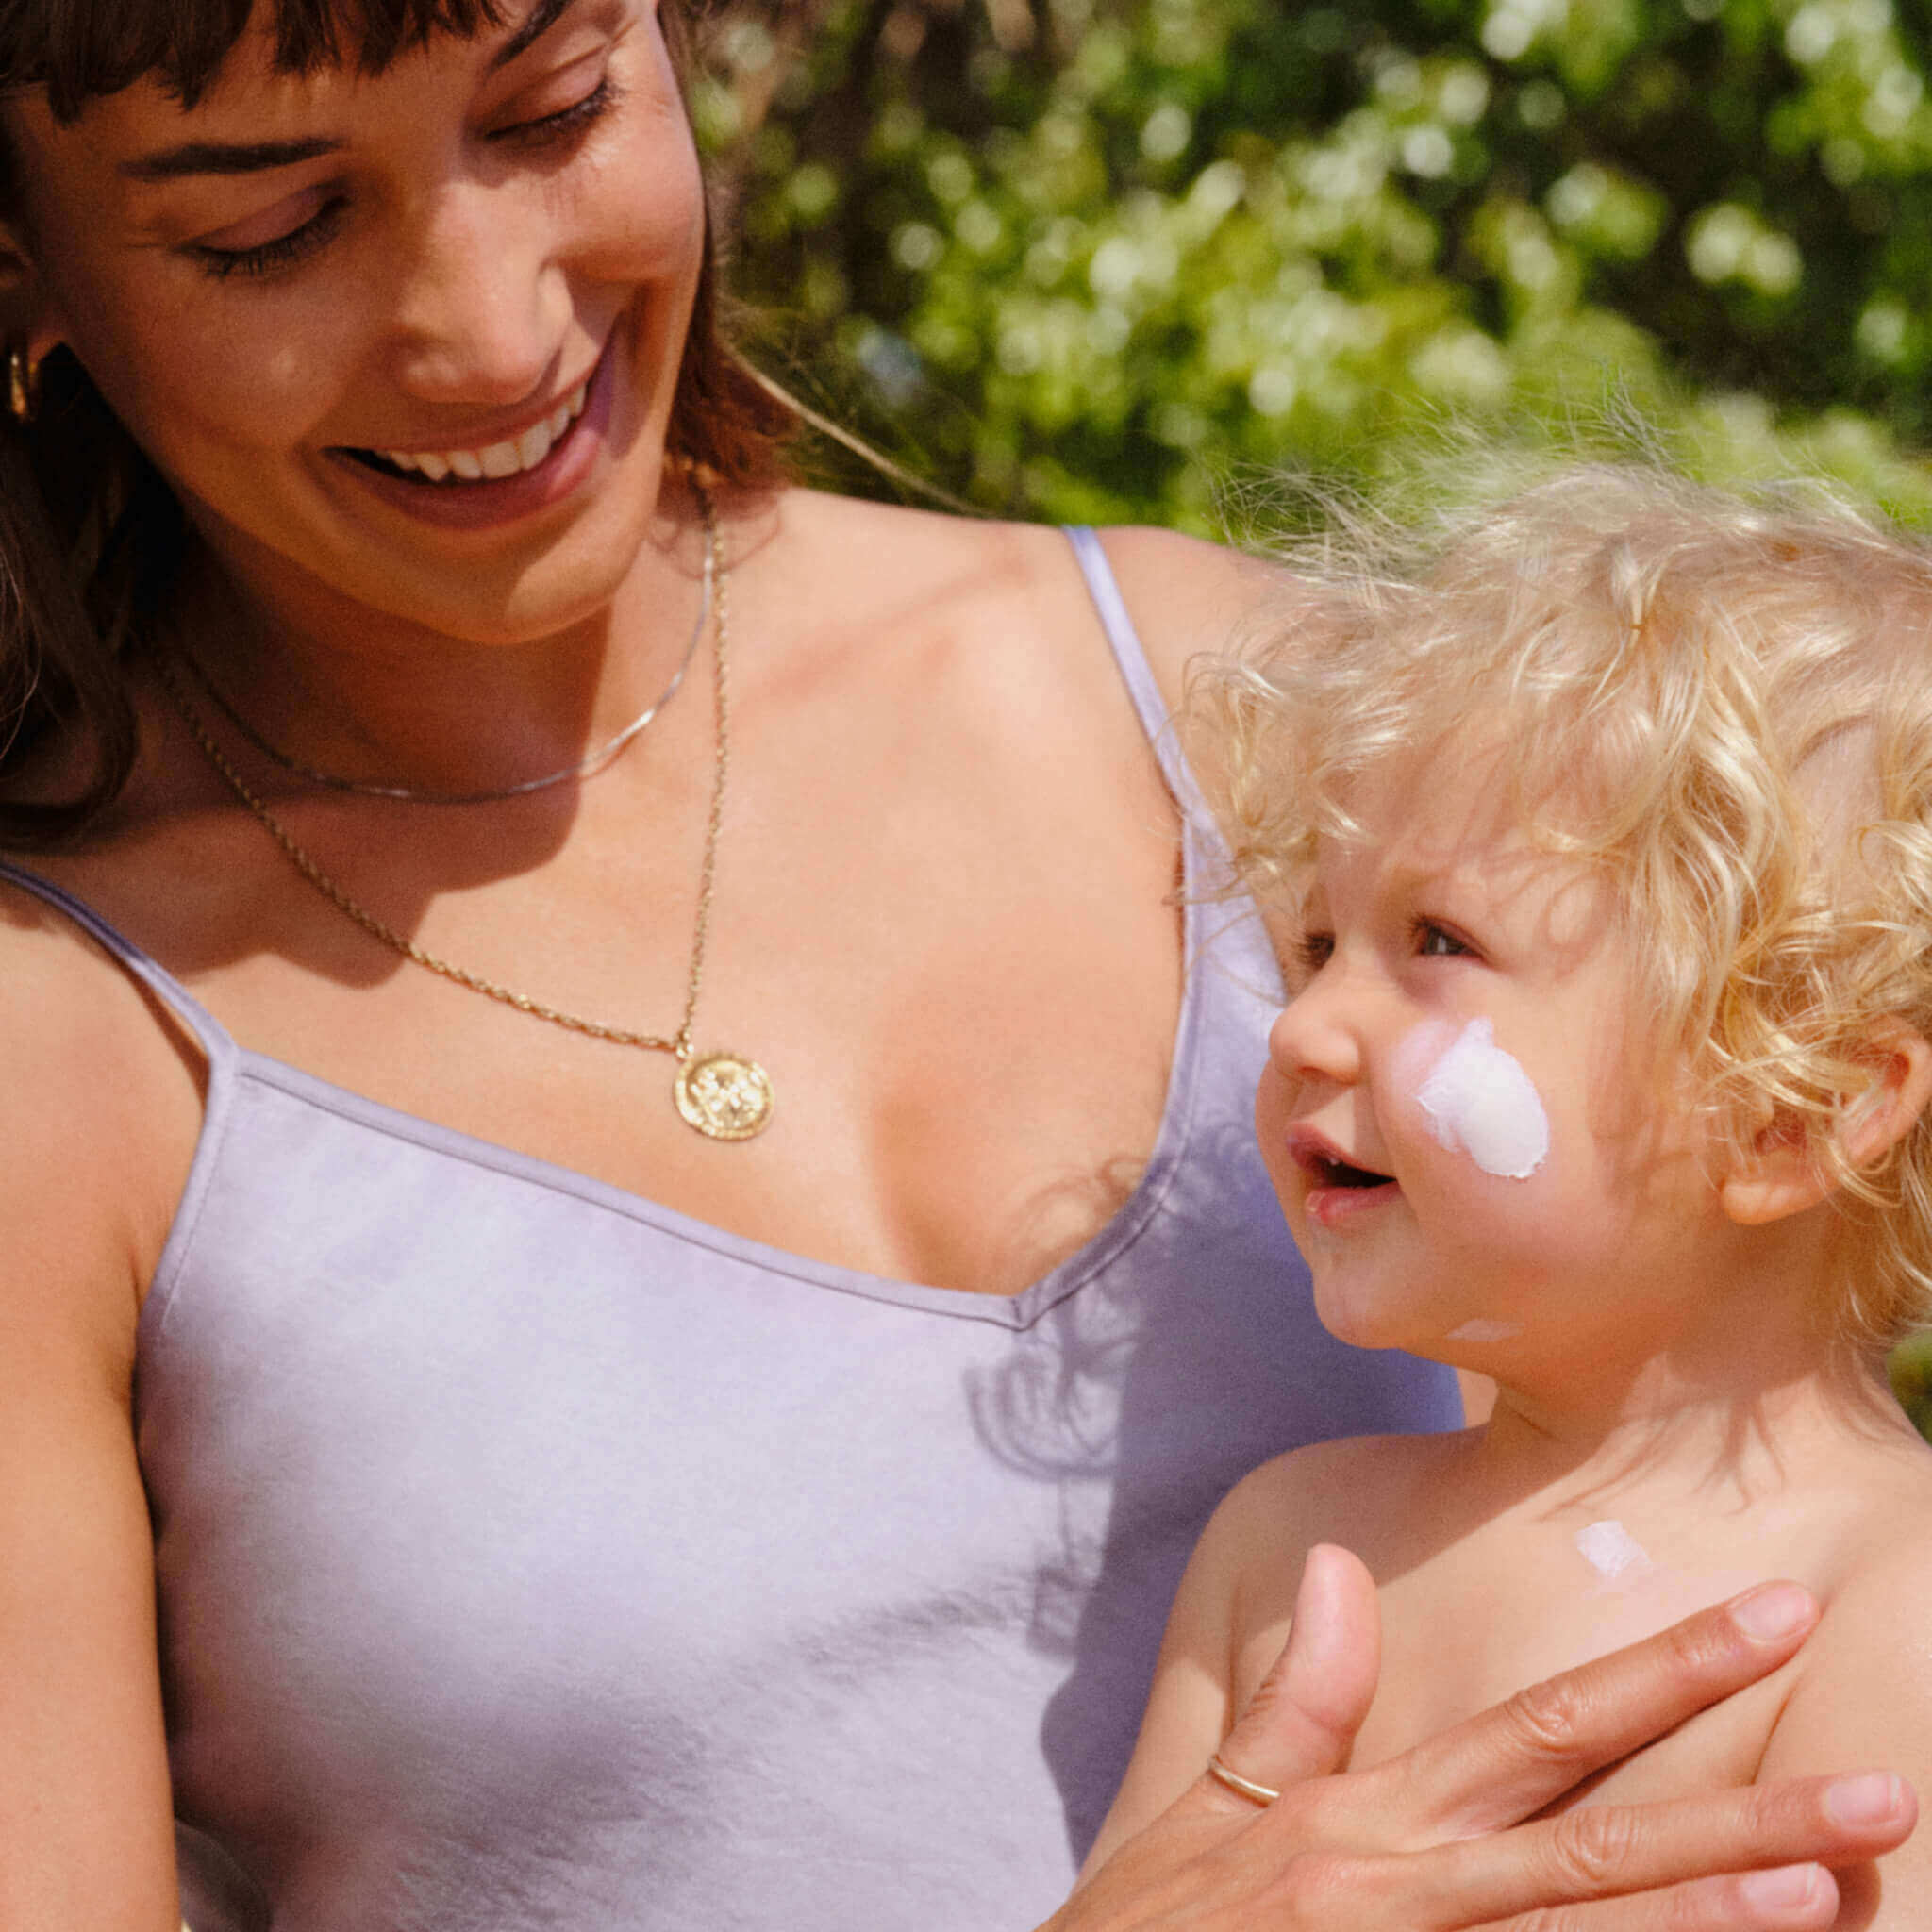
x=493, y=502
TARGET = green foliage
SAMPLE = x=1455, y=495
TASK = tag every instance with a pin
x=1911, y=1381
x=1089, y=259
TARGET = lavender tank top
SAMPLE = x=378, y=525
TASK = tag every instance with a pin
x=534, y=1558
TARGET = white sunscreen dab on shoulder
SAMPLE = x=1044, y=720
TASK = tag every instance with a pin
x=1480, y=1101
x=1613, y=1553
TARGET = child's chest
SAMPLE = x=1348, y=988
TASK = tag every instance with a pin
x=1454, y=1646
x=1468, y=1626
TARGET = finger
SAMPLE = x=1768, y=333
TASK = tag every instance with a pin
x=1505, y=1765
x=1606, y=1850
x=1793, y=1898
x=1304, y=1718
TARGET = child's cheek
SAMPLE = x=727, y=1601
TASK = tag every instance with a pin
x=1473, y=1099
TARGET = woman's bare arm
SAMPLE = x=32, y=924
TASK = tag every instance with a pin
x=93, y=1114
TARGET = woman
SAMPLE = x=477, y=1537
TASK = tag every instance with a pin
x=562, y=1506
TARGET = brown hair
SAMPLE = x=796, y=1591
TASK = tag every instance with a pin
x=90, y=536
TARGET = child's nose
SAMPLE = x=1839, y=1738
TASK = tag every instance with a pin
x=1313, y=1036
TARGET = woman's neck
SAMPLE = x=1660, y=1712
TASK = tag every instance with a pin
x=376, y=698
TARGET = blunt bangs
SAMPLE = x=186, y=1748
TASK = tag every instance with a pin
x=79, y=49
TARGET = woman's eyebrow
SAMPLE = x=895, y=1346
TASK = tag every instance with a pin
x=255, y=156
x=543, y=16
x=226, y=157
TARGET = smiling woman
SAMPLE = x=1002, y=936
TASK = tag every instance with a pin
x=103, y=499
x=474, y=1449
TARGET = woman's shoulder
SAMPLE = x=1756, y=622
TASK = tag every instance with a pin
x=1185, y=596
x=102, y=1097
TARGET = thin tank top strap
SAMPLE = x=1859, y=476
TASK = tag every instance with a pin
x=214, y=1039
x=1136, y=673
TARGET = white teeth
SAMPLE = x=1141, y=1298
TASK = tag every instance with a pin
x=533, y=445
x=499, y=459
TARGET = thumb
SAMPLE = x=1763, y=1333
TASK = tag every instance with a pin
x=1305, y=1716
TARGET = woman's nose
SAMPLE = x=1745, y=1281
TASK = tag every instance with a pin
x=481, y=312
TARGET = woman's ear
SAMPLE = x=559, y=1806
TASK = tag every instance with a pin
x=27, y=318
x=1782, y=1172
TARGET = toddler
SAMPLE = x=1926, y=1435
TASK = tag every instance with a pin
x=1600, y=835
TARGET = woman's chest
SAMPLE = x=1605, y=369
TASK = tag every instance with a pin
x=509, y=1538
x=967, y=1026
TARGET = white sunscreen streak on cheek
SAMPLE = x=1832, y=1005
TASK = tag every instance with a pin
x=1480, y=1102
x=1614, y=1554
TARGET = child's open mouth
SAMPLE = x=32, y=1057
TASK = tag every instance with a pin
x=1338, y=1188
x=1329, y=1173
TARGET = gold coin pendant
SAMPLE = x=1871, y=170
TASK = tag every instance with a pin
x=724, y=1095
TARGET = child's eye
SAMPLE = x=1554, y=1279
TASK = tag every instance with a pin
x=1434, y=941
x=1312, y=951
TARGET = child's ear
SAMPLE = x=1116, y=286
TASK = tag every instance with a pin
x=1782, y=1173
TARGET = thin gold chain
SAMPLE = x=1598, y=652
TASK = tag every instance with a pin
x=678, y=1044
x=591, y=766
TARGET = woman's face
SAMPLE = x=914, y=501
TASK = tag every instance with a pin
x=403, y=343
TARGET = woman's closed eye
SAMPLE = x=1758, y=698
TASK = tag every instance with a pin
x=297, y=227
x=564, y=123
x=306, y=222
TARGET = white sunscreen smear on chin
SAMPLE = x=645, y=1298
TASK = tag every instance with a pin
x=1487, y=1331
x=1613, y=1553
x=1479, y=1101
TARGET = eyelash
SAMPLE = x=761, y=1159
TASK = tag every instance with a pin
x=285, y=251
x=1422, y=931
x=1313, y=950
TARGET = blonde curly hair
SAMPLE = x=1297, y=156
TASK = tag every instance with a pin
x=1722, y=704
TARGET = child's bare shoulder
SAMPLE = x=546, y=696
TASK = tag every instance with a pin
x=1862, y=1678
x=1353, y=1492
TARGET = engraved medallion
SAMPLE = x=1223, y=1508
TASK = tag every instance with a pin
x=725, y=1096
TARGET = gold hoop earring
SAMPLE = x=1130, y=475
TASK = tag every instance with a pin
x=22, y=385
x=699, y=473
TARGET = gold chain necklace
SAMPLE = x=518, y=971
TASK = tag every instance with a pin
x=605, y=754
x=726, y=1096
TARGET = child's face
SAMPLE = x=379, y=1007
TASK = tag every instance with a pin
x=1477, y=1149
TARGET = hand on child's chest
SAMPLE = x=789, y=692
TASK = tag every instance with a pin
x=1456, y=1644
x=1521, y=1599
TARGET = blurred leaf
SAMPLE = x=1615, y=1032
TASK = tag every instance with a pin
x=1097, y=257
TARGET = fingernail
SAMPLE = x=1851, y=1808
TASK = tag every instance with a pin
x=1866, y=1800
x=1791, y=1885
x=1778, y=1610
